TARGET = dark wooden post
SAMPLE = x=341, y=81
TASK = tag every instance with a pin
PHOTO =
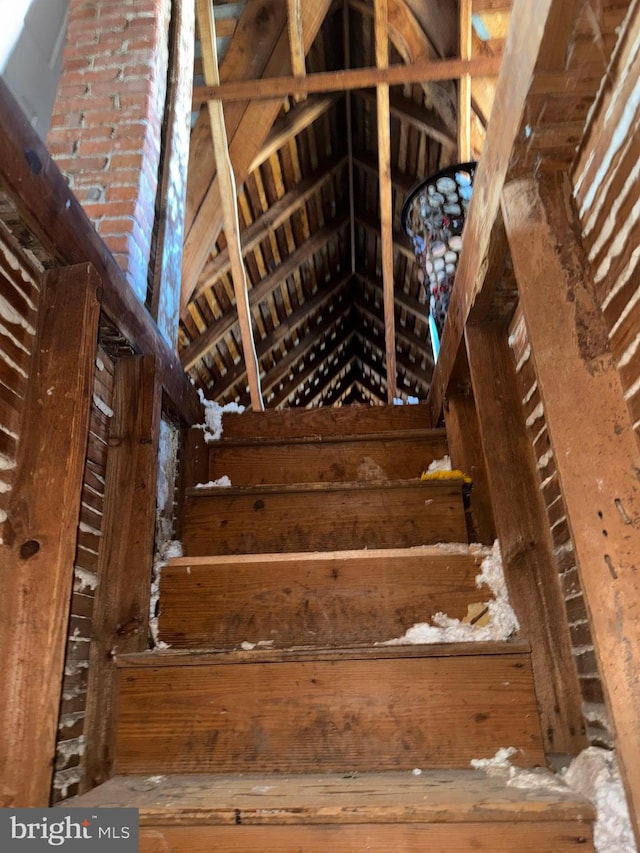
x=36, y=561
x=592, y=440
x=525, y=540
x=121, y=609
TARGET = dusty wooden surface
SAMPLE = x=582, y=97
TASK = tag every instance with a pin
x=121, y=609
x=39, y=533
x=592, y=439
x=397, y=455
x=349, y=713
x=525, y=541
x=296, y=599
x=322, y=517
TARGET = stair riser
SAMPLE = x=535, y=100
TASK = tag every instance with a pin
x=514, y=837
x=331, y=600
x=326, y=715
x=325, y=461
x=394, y=516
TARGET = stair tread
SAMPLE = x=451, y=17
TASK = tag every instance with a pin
x=293, y=488
x=208, y=657
x=442, y=796
x=332, y=438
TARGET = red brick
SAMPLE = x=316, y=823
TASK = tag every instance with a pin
x=126, y=161
x=121, y=193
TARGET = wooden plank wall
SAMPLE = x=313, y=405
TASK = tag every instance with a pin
x=605, y=180
x=563, y=551
x=71, y=735
x=19, y=297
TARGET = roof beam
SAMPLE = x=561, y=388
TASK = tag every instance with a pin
x=537, y=23
x=421, y=71
x=271, y=219
x=386, y=197
x=296, y=39
x=400, y=242
x=288, y=326
x=464, y=83
x=226, y=182
x=423, y=119
x=214, y=333
x=422, y=345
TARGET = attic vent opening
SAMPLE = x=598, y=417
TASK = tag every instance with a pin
x=433, y=217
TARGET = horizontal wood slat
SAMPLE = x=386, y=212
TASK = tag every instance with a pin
x=395, y=712
x=322, y=517
x=296, y=599
x=376, y=457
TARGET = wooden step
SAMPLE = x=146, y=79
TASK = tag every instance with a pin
x=340, y=710
x=336, y=598
x=322, y=517
x=398, y=455
x=325, y=421
x=439, y=811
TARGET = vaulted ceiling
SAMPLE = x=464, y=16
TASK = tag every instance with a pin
x=318, y=255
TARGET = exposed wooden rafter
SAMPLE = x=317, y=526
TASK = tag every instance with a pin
x=226, y=182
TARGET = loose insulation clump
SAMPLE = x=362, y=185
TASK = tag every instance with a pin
x=213, y=413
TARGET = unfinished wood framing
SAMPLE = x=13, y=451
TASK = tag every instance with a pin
x=296, y=39
x=591, y=438
x=464, y=83
x=226, y=182
x=36, y=560
x=523, y=531
x=121, y=609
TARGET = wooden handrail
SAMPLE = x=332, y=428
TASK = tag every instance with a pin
x=50, y=209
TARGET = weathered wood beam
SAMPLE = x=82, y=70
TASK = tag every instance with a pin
x=120, y=621
x=425, y=120
x=464, y=83
x=296, y=39
x=214, y=333
x=535, y=23
x=227, y=185
x=246, y=142
x=400, y=242
x=49, y=208
x=403, y=182
x=39, y=541
x=276, y=88
x=271, y=219
x=417, y=309
x=404, y=335
x=421, y=376
x=591, y=437
x=290, y=125
x=288, y=326
x=525, y=540
x=386, y=195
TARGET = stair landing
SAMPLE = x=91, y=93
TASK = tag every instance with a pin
x=436, y=811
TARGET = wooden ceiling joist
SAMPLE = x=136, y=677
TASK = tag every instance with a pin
x=464, y=83
x=214, y=333
x=296, y=39
x=226, y=182
x=422, y=118
x=276, y=88
x=386, y=194
x=273, y=218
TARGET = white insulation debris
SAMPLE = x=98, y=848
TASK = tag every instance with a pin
x=168, y=550
x=221, y=482
x=502, y=622
x=593, y=774
x=213, y=413
x=64, y=779
x=443, y=464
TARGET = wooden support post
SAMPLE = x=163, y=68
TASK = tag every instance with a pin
x=464, y=83
x=386, y=196
x=121, y=609
x=296, y=42
x=465, y=448
x=592, y=440
x=525, y=540
x=39, y=534
x=226, y=181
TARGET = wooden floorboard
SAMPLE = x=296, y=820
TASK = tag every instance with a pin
x=322, y=517
x=339, y=598
x=336, y=713
x=395, y=455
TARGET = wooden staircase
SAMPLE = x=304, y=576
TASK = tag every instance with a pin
x=279, y=720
